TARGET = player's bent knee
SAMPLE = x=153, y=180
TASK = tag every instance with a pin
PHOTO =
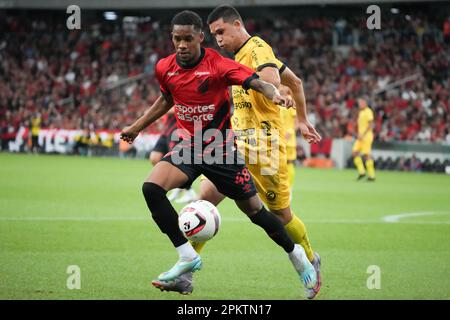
x=284, y=216
x=211, y=196
x=155, y=157
x=250, y=206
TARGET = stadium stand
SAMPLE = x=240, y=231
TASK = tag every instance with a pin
x=51, y=77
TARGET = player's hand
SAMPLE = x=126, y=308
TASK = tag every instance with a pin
x=286, y=102
x=128, y=134
x=308, y=131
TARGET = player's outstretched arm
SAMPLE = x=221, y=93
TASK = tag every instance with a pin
x=270, y=92
x=289, y=79
x=156, y=111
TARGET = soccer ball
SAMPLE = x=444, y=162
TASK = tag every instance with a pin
x=199, y=221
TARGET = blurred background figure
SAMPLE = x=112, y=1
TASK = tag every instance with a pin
x=363, y=144
x=35, y=129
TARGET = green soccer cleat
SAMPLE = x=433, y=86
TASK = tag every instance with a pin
x=182, y=284
x=312, y=293
x=180, y=268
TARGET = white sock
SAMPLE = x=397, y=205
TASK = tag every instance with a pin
x=297, y=257
x=186, y=251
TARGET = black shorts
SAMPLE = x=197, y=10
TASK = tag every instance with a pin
x=34, y=141
x=162, y=145
x=231, y=179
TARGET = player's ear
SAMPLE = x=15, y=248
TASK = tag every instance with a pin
x=202, y=36
x=237, y=23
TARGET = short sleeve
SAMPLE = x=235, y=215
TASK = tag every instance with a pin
x=235, y=73
x=281, y=66
x=370, y=115
x=162, y=84
x=263, y=56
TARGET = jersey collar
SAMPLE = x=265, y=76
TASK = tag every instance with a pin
x=192, y=65
x=242, y=45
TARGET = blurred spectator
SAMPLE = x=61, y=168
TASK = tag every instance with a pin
x=35, y=128
x=415, y=164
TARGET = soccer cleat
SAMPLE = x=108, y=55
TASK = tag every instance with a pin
x=312, y=293
x=182, y=284
x=361, y=176
x=303, y=267
x=188, y=196
x=174, y=194
x=180, y=268
x=370, y=179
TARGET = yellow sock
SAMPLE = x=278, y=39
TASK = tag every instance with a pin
x=359, y=165
x=297, y=231
x=198, y=246
x=370, y=168
x=291, y=173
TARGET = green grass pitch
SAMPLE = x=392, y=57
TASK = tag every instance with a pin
x=57, y=211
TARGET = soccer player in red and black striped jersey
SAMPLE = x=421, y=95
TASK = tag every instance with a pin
x=195, y=80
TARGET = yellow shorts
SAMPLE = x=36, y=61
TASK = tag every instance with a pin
x=291, y=152
x=274, y=189
x=363, y=146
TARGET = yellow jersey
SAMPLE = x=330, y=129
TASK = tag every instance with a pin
x=288, y=117
x=35, y=126
x=364, y=117
x=259, y=132
x=253, y=112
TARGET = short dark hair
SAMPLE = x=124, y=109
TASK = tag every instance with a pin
x=187, y=18
x=226, y=12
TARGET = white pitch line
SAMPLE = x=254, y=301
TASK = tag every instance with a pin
x=386, y=219
x=73, y=218
x=395, y=218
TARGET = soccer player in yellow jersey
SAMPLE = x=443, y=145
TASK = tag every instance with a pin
x=288, y=121
x=363, y=143
x=254, y=114
x=35, y=129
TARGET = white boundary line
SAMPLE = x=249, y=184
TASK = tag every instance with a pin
x=395, y=218
x=386, y=219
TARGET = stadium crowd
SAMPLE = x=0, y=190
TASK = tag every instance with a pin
x=56, y=78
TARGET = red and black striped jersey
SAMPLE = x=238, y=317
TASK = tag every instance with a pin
x=200, y=91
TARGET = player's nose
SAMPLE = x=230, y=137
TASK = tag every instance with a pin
x=182, y=45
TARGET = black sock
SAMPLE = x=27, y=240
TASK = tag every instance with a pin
x=163, y=212
x=274, y=228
